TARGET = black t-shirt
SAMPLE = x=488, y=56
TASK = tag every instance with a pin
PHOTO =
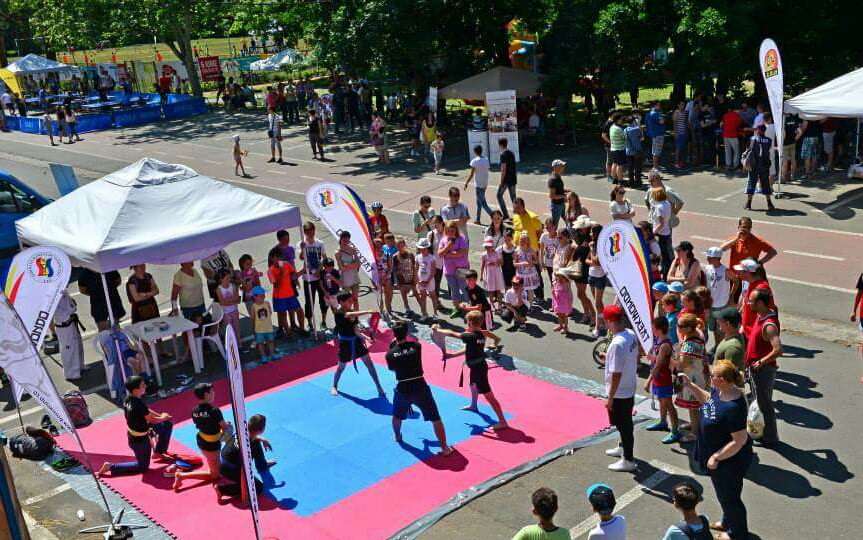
x=813, y=129
x=478, y=297
x=406, y=360
x=719, y=419
x=315, y=127
x=606, y=129
x=92, y=281
x=329, y=281
x=345, y=326
x=474, y=351
x=556, y=183
x=789, y=131
x=136, y=412
x=510, y=177
x=30, y=447
x=231, y=456
x=207, y=419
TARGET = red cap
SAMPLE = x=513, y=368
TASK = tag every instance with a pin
x=612, y=313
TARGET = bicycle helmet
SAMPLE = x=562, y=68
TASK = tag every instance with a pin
x=377, y=205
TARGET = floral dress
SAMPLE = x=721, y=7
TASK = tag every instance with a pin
x=528, y=273
x=691, y=360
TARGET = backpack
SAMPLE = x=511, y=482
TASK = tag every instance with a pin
x=703, y=534
x=77, y=408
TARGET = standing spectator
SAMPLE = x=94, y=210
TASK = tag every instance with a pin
x=621, y=363
x=680, y=120
x=707, y=123
x=634, y=154
x=316, y=134
x=731, y=123
x=452, y=250
x=544, y=503
x=763, y=349
x=379, y=223
x=437, y=147
x=508, y=175
x=656, y=131
x=790, y=135
x=760, y=152
x=211, y=266
x=720, y=282
x=620, y=207
x=732, y=347
x=696, y=156
x=422, y=217
x=723, y=446
x=428, y=133
x=747, y=246
x=557, y=191
x=479, y=167
x=291, y=113
x=770, y=133
x=685, y=268
x=349, y=263
x=606, y=143
x=525, y=221
x=274, y=132
x=855, y=316
x=828, y=134
x=752, y=277
x=691, y=360
x=312, y=253
x=187, y=296
x=456, y=211
x=693, y=526
x=90, y=285
x=747, y=114
x=71, y=122
x=660, y=219
x=812, y=134
x=610, y=526
x=141, y=290
x=617, y=147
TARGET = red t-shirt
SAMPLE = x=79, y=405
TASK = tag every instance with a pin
x=280, y=277
x=165, y=84
x=731, y=122
x=749, y=317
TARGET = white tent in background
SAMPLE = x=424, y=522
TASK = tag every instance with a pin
x=152, y=212
x=840, y=98
x=33, y=64
x=273, y=63
x=525, y=83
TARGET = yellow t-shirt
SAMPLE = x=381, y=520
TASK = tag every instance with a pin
x=531, y=224
x=262, y=315
x=191, y=289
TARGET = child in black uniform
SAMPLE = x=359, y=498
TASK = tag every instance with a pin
x=478, y=300
x=474, y=354
x=351, y=345
x=211, y=424
x=231, y=460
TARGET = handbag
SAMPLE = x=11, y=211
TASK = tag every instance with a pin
x=269, y=133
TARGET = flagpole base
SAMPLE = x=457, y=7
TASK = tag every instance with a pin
x=116, y=530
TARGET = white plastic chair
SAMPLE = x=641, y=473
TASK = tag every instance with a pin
x=210, y=332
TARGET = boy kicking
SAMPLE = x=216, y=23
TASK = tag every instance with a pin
x=405, y=359
x=474, y=354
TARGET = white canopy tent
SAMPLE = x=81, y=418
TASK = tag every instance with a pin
x=152, y=212
x=273, y=63
x=33, y=64
x=525, y=83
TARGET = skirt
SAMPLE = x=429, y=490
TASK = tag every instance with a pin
x=492, y=279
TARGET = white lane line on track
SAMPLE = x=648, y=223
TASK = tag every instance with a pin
x=24, y=413
x=186, y=157
x=267, y=187
x=810, y=284
x=310, y=177
x=47, y=495
x=277, y=172
x=210, y=161
x=160, y=153
x=399, y=191
x=724, y=198
x=813, y=255
x=707, y=239
x=841, y=202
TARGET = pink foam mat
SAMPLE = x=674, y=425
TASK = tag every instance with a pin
x=545, y=418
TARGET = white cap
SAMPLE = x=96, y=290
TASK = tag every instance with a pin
x=236, y=137
x=423, y=243
x=558, y=163
x=488, y=241
x=713, y=252
x=748, y=265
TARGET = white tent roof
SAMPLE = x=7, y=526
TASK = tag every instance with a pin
x=525, y=83
x=841, y=97
x=152, y=212
x=272, y=63
x=33, y=63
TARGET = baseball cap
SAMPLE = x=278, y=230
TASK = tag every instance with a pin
x=488, y=241
x=258, y=290
x=601, y=497
x=558, y=163
x=517, y=279
x=660, y=286
x=713, y=252
x=423, y=243
x=748, y=265
x=612, y=313
x=676, y=287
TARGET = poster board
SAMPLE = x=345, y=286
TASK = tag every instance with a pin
x=502, y=122
x=432, y=99
x=477, y=137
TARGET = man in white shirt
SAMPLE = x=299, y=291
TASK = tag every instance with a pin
x=721, y=284
x=479, y=166
x=621, y=364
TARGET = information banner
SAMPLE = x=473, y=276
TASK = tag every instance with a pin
x=432, y=99
x=210, y=67
x=771, y=68
x=476, y=137
x=502, y=122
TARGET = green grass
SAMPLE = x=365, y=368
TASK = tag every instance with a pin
x=144, y=51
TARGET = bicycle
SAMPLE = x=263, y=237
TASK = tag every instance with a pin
x=600, y=349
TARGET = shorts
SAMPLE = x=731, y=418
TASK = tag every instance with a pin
x=597, y=282
x=479, y=377
x=828, y=141
x=809, y=148
x=193, y=313
x=658, y=143
x=264, y=337
x=281, y=305
x=351, y=349
x=680, y=141
x=788, y=152
x=423, y=399
x=662, y=392
x=618, y=157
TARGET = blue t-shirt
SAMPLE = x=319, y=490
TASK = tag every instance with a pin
x=674, y=532
x=654, y=127
x=672, y=326
x=633, y=140
x=719, y=419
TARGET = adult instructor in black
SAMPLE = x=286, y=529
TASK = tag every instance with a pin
x=405, y=359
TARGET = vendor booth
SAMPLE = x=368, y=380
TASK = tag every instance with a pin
x=288, y=57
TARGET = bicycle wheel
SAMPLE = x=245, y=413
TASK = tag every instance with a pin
x=598, y=349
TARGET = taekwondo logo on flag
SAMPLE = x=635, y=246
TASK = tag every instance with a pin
x=325, y=198
x=771, y=63
x=44, y=267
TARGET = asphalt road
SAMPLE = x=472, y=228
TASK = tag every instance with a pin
x=815, y=231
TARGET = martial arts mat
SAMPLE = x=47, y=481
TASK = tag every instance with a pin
x=340, y=474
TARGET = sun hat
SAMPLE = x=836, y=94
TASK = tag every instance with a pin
x=488, y=241
x=582, y=222
x=660, y=286
x=747, y=265
x=423, y=243
x=676, y=287
x=258, y=291
x=713, y=252
x=601, y=497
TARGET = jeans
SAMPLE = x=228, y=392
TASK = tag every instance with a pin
x=759, y=177
x=764, y=379
x=457, y=288
x=293, y=111
x=481, y=203
x=666, y=252
x=635, y=162
x=732, y=152
x=620, y=417
x=558, y=209
x=141, y=448
x=727, y=481
x=503, y=188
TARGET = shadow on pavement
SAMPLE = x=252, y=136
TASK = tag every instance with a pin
x=796, y=385
x=801, y=416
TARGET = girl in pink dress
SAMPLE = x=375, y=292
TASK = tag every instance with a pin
x=561, y=301
x=491, y=271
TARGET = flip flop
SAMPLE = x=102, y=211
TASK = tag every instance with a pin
x=65, y=464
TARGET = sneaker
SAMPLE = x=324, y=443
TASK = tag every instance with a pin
x=622, y=465
x=671, y=438
x=657, y=426
x=271, y=160
x=617, y=451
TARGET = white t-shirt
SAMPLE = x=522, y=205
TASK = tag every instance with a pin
x=5, y=99
x=718, y=283
x=509, y=297
x=313, y=254
x=661, y=208
x=621, y=208
x=426, y=267
x=613, y=529
x=622, y=357
x=551, y=245
x=480, y=166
